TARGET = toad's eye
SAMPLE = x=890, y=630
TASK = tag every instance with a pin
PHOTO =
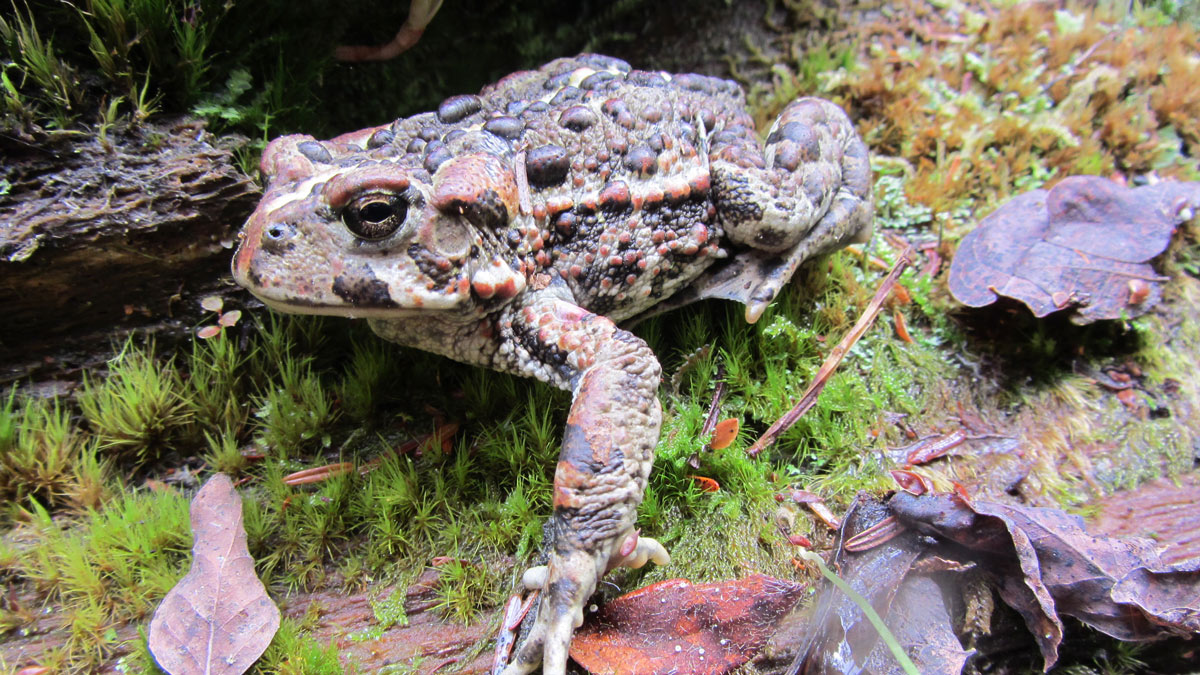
x=375, y=216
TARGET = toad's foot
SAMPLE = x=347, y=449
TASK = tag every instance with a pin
x=566, y=584
x=807, y=192
x=642, y=551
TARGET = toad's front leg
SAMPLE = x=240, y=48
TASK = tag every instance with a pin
x=607, y=451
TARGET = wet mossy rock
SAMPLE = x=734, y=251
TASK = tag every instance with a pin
x=108, y=233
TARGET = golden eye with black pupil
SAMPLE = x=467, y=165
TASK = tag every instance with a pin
x=375, y=216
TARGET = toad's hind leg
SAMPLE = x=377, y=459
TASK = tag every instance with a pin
x=607, y=451
x=807, y=192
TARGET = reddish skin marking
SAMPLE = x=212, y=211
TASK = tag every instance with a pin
x=250, y=239
x=568, y=483
x=557, y=205
x=1139, y=290
x=676, y=190
x=929, y=451
x=615, y=194
x=483, y=289
x=630, y=543
x=342, y=188
x=570, y=313
x=358, y=138
x=700, y=183
x=467, y=178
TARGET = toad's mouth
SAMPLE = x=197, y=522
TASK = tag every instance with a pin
x=350, y=308
x=351, y=296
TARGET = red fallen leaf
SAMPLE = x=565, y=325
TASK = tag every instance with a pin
x=706, y=484
x=677, y=627
x=723, y=435
x=1078, y=244
x=823, y=514
x=930, y=449
x=318, y=474
x=911, y=482
x=874, y=536
x=218, y=619
x=1049, y=565
x=805, y=497
x=901, y=326
x=799, y=540
x=439, y=439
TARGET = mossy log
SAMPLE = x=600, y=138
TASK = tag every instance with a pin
x=104, y=233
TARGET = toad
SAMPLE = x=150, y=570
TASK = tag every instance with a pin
x=515, y=228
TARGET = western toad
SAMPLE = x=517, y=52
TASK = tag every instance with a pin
x=512, y=229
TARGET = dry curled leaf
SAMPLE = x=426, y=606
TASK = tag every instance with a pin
x=676, y=627
x=912, y=606
x=1085, y=243
x=218, y=619
x=1047, y=565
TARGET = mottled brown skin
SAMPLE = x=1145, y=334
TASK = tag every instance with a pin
x=513, y=228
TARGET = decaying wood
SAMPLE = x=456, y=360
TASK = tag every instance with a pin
x=428, y=641
x=99, y=235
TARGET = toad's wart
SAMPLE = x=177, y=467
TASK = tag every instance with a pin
x=513, y=228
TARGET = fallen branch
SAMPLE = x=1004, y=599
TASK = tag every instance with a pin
x=809, y=399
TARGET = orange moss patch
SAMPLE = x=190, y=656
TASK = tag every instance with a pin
x=989, y=102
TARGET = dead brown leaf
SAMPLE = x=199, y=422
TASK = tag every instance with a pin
x=1047, y=565
x=910, y=604
x=218, y=619
x=677, y=627
x=1085, y=243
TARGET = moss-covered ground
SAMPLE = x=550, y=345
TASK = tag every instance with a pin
x=963, y=106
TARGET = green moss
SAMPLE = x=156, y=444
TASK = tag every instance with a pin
x=465, y=587
x=137, y=410
x=293, y=652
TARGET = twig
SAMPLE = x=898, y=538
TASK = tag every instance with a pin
x=809, y=399
x=714, y=408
